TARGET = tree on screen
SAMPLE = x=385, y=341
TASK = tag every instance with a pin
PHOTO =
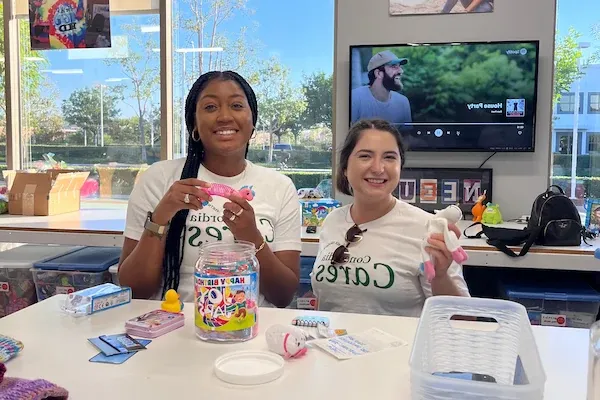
x=440, y=81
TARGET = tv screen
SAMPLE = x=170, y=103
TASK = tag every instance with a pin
x=449, y=97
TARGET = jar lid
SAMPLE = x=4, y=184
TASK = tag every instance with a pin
x=249, y=367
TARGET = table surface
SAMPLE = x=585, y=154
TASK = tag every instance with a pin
x=178, y=364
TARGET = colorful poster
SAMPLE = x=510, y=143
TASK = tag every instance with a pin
x=415, y=7
x=69, y=24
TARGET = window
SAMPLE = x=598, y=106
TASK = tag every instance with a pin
x=566, y=104
x=594, y=103
x=95, y=109
x=593, y=142
x=291, y=74
x=577, y=70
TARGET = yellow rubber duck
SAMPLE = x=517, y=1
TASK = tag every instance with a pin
x=172, y=302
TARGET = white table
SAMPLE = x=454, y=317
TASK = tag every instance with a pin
x=178, y=365
x=101, y=223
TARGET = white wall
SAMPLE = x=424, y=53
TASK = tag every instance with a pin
x=517, y=178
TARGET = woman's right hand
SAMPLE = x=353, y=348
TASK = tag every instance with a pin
x=174, y=199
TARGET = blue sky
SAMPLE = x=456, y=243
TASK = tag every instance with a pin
x=300, y=33
x=581, y=15
x=303, y=44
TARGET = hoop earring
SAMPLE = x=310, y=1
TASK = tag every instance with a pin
x=253, y=134
x=195, y=135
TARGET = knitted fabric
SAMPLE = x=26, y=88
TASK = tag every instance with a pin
x=24, y=389
x=9, y=348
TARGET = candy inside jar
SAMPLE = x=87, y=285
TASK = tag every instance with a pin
x=226, y=284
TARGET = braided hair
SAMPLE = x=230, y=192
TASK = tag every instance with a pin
x=176, y=236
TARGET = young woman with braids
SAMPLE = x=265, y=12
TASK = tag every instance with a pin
x=169, y=216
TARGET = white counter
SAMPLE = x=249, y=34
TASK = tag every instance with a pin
x=101, y=223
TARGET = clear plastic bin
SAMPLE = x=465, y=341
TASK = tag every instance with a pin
x=306, y=299
x=74, y=271
x=567, y=304
x=505, y=350
x=17, y=288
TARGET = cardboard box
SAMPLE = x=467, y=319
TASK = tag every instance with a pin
x=315, y=211
x=44, y=193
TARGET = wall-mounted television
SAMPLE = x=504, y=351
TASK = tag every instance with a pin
x=476, y=96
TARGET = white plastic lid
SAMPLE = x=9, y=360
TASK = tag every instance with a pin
x=249, y=367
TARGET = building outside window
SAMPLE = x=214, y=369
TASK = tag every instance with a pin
x=577, y=75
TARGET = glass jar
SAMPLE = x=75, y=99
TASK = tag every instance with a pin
x=226, y=284
x=593, y=392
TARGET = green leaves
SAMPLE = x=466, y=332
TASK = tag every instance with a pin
x=281, y=105
x=82, y=109
x=318, y=92
x=566, y=55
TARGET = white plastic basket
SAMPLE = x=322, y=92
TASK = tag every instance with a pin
x=508, y=353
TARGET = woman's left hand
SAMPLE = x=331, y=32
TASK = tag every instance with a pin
x=437, y=249
x=238, y=215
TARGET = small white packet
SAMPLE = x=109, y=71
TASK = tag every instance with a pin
x=350, y=346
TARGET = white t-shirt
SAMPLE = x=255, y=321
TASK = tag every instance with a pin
x=275, y=205
x=364, y=106
x=382, y=275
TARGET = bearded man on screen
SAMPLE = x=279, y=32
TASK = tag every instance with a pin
x=380, y=99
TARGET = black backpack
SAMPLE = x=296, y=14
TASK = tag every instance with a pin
x=554, y=221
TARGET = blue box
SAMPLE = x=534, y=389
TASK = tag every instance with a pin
x=76, y=270
x=314, y=211
x=306, y=266
x=569, y=304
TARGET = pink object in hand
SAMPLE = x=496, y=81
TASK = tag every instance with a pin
x=219, y=189
x=429, y=270
x=460, y=255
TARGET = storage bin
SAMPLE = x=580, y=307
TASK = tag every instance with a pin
x=572, y=304
x=306, y=266
x=304, y=298
x=17, y=288
x=505, y=350
x=79, y=269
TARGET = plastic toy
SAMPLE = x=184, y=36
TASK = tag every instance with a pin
x=219, y=189
x=439, y=224
x=309, y=193
x=492, y=214
x=479, y=207
x=314, y=212
x=287, y=341
x=172, y=303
